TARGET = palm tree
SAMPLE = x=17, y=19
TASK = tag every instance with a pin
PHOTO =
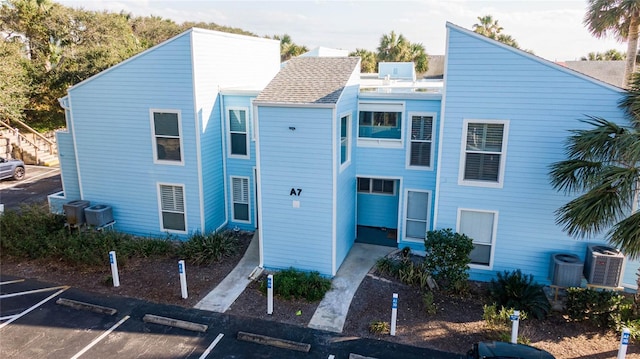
x=487, y=26
x=396, y=48
x=393, y=47
x=603, y=169
x=620, y=18
x=368, y=61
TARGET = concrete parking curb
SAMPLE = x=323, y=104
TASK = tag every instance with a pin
x=150, y=318
x=86, y=306
x=274, y=342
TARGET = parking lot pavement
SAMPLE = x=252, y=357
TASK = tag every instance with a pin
x=32, y=325
x=39, y=182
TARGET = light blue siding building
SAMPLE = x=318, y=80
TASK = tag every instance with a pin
x=208, y=131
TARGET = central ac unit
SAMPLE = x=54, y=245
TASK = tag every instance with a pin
x=603, y=265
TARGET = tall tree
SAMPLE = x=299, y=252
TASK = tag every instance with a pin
x=620, y=18
x=609, y=55
x=288, y=48
x=396, y=48
x=368, y=61
x=14, y=86
x=603, y=170
x=489, y=27
x=152, y=30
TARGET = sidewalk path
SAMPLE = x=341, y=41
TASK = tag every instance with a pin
x=224, y=294
x=332, y=310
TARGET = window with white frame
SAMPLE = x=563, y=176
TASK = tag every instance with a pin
x=380, y=123
x=420, y=153
x=238, y=133
x=484, y=150
x=376, y=186
x=240, y=198
x=172, y=207
x=417, y=215
x=479, y=226
x=345, y=138
x=166, y=135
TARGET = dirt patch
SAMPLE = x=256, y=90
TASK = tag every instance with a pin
x=455, y=326
x=252, y=303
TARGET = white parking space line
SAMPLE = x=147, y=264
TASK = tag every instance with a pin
x=102, y=336
x=33, y=307
x=331, y=356
x=211, y=346
x=17, y=294
x=8, y=317
x=38, y=176
x=12, y=281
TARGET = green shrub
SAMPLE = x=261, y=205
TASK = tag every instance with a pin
x=201, y=249
x=499, y=319
x=518, y=291
x=429, y=305
x=413, y=274
x=447, y=259
x=379, y=327
x=24, y=233
x=35, y=233
x=386, y=265
x=600, y=308
x=292, y=283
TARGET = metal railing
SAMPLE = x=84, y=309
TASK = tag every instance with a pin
x=23, y=140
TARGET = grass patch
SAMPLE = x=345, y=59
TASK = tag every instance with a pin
x=295, y=284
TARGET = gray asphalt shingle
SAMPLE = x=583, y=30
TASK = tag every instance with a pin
x=310, y=80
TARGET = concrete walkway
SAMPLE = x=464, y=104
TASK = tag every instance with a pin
x=224, y=294
x=332, y=310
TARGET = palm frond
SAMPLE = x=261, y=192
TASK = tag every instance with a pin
x=595, y=211
x=626, y=235
x=630, y=103
x=573, y=175
x=599, y=143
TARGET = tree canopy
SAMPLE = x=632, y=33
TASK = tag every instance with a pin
x=603, y=170
x=47, y=47
x=619, y=18
x=488, y=26
x=609, y=55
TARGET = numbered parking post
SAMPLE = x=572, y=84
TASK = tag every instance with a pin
x=114, y=268
x=183, y=279
x=624, y=342
x=515, y=321
x=270, y=294
x=394, y=314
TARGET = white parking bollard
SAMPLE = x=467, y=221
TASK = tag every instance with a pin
x=270, y=294
x=394, y=314
x=114, y=268
x=624, y=341
x=183, y=279
x=515, y=321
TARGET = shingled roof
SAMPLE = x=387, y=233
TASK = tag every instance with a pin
x=310, y=80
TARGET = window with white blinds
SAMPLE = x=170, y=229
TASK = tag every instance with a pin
x=420, y=154
x=484, y=150
x=172, y=207
x=480, y=227
x=240, y=198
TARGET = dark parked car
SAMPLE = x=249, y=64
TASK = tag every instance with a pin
x=11, y=168
x=502, y=350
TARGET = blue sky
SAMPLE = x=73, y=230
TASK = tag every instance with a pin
x=552, y=29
